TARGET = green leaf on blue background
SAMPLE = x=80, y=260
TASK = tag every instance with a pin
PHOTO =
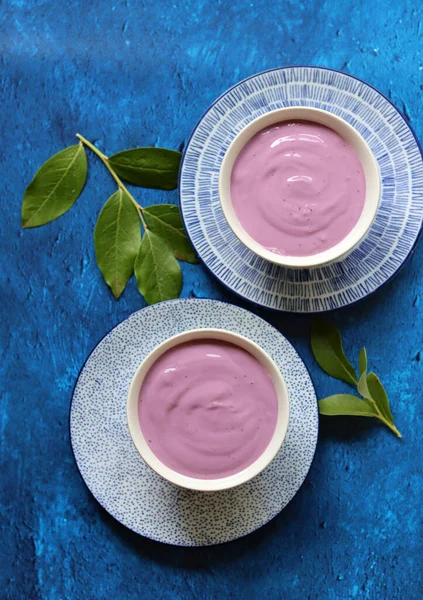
x=148, y=167
x=117, y=238
x=55, y=187
x=326, y=344
x=158, y=273
x=165, y=220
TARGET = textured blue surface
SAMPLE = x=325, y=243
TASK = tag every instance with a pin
x=134, y=73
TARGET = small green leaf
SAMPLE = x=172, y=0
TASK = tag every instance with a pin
x=346, y=404
x=362, y=361
x=55, y=187
x=117, y=238
x=157, y=271
x=362, y=386
x=148, y=167
x=326, y=344
x=379, y=395
x=165, y=220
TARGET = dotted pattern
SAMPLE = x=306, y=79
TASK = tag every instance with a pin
x=120, y=480
x=390, y=239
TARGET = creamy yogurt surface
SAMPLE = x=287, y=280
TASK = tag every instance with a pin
x=207, y=409
x=298, y=188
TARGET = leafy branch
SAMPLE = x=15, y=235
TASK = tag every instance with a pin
x=120, y=246
x=326, y=344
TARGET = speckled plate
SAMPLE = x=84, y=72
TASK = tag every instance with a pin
x=390, y=240
x=134, y=494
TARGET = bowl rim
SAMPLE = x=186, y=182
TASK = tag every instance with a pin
x=370, y=165
x=241, y=477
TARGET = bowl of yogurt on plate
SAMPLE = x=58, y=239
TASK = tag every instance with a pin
x=300, y=187
x=208, y=409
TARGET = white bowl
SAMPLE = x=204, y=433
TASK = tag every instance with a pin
x=350, y=135
x=223, y=483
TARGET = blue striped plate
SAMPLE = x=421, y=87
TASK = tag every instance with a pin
x=389, y=242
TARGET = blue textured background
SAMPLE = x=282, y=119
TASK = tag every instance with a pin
x=141, y=73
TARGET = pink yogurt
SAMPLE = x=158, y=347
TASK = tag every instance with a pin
x=298, y=188
x=208, y=409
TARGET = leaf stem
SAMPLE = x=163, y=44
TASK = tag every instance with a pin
x=380, y=416
x=119, y=183
x=390, y=425
x=91, y=146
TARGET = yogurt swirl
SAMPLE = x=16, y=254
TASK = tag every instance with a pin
x=298, y=188
x=208, y=409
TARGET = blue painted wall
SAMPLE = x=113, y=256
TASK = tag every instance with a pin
x=131, y=73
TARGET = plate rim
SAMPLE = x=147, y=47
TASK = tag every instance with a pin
x=152, y=538
x=225, y=285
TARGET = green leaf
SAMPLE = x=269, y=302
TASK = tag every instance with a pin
x=165, y=220
x=55, y=187
x=157, y=271
x=362, y=386
x=326, y=344
x=362, y=361
x=374, y=393
x=346, y=404
x=379, y=395
x=117, y=238
x=148, y=167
